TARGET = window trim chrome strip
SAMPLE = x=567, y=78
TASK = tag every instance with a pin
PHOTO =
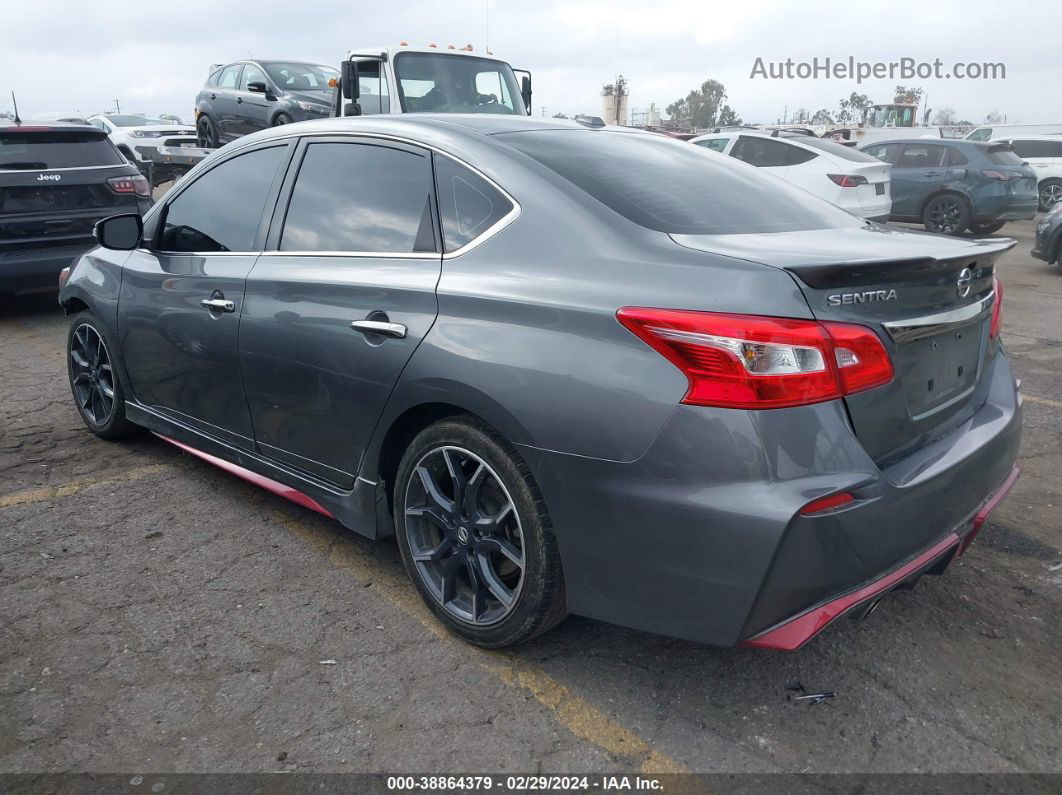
x=927, y=325
x=485, y=235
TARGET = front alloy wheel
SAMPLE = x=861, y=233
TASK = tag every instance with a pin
x=91, y=375
x=95, y=382
x=464, y=535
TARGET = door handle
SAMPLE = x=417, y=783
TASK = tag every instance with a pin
x=218, y=305
x=239, y=100
x=396, y=330
x=213, y=96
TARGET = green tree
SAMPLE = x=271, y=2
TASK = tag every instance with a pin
x=944, y=117
x=854, y=110
x=822, y=116
x=995, y=117
x=703, y=107
x=905, y=94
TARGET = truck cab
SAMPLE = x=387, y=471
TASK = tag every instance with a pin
x=403, y=79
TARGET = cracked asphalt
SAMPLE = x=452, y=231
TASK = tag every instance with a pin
x=157, y=614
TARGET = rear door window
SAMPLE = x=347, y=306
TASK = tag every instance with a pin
x=669, y=186
x=222, y=210
x=360, y=198
x=761, y=152
x=29, y=151
x=230, y=76
x=922, y=156
x=889, y=153
x=469, y=205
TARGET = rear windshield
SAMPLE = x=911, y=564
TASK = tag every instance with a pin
x=836, y=149
x=1003, y=155
x=673, y=187
x=129, y=120
x=43, y=150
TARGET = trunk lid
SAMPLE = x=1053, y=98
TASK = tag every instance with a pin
x=930, y=300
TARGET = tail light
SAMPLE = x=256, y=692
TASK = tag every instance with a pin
x=130, y=185
x=1002, y=176
x=827, y=503
x=997, y=310
x=848, y=180
x=747, y=361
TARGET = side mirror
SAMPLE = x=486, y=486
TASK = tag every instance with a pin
x=257, y=87
x=119, y=232
x=349, y=79
x=525, y=91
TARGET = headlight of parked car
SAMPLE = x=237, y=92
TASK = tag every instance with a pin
x=312, y=107
x=144, y=134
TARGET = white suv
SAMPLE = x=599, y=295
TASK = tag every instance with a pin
x=131, y=130
x=840, y=174
x=1043, y=153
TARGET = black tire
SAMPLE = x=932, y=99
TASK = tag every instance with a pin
x=282, y=118
x=946, y=214
x=94, y=377
x=1050, y=193
x=987, y=229
x=206, y=133
x=516, y=557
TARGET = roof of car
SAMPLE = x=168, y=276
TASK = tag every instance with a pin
x=1054, y=138
x=31, y=125
x=932, y=139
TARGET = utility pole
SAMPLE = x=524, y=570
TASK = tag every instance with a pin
x=118, y=108
x=543, y=111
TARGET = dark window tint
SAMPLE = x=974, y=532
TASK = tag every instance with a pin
x=890, y=153
x=715, y=144
x=43, y=150
x=835, y=149
x=469, y=205
x=1037, y=149
x=1003, y=155
x=956, y=158
x=360, y=197
x=762, y=152
x=222, y=209
x=796, y=156
x=922, y=156
x=673, y=187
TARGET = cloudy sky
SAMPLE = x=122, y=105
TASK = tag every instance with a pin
x=81, y=55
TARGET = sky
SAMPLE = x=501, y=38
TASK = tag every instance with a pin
x=83, y=55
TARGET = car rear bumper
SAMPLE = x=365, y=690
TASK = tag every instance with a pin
x=702, y=537
x=37, y=269
x=794, y=632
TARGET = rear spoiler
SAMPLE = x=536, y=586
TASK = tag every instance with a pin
x=850, y=274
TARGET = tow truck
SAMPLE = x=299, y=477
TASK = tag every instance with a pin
x=406, y=79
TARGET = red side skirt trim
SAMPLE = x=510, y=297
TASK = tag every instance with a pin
x=261, y=481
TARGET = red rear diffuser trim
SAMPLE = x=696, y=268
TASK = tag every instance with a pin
x=794, y=633
x=261, y=481
x=988, y=507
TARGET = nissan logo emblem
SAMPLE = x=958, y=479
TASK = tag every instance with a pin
x=962, y=284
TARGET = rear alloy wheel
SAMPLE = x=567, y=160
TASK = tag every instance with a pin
x=475, y=537
x=282, y=118
x=947, y=215
x=94, y=380
x=986, y=229
x=206, y=134
x=1050, y=194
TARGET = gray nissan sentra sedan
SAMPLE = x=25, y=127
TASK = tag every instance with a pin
x=573, y=370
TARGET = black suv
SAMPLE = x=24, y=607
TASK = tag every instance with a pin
x=56, y=181
x=246, y=96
